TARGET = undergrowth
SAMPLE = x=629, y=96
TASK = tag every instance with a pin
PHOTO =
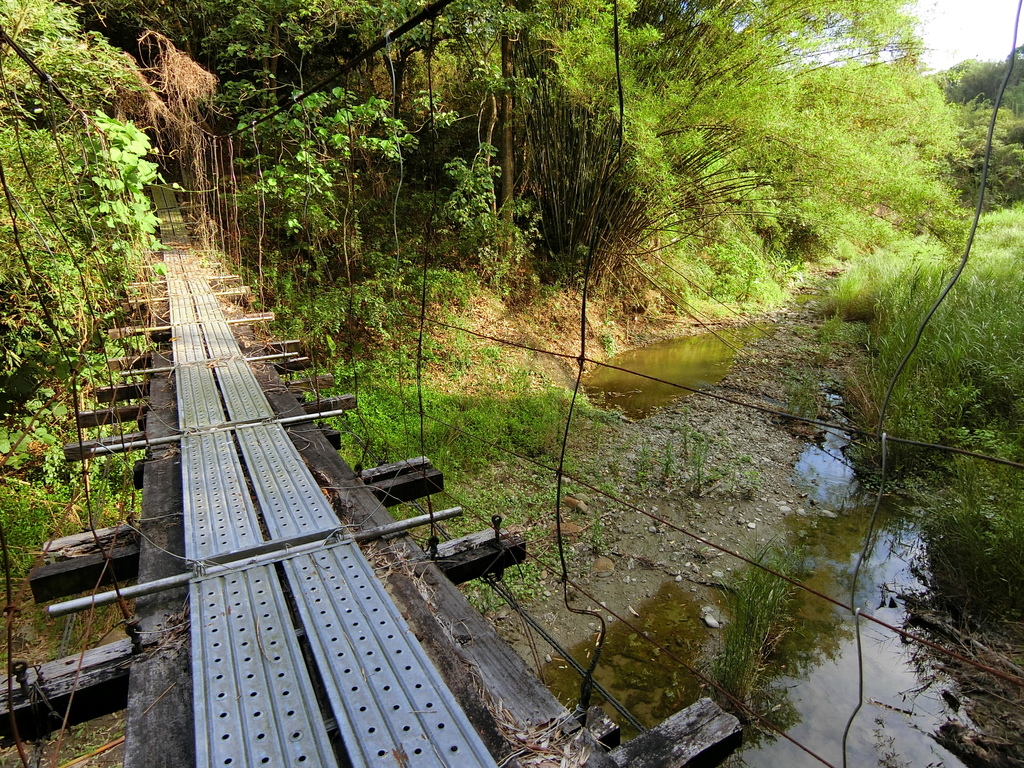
x=961, y=388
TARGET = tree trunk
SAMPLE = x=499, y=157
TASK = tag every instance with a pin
x=506, y=151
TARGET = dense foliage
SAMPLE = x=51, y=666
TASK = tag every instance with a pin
x=489, y=143
x=74, y=223
x=754, y=136
x=962, y=388
x=974, y=87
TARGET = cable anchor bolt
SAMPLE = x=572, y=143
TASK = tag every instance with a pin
x=131, y=629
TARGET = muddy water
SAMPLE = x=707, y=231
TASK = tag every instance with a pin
x=694, y=362
x=813, y=674
x=649, y=683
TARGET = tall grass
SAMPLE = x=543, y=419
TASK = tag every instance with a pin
x=962, y=385
x=975, y=540
x=961, y=388
x=759, y=606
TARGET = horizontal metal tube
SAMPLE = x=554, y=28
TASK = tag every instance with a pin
x=121, y=333
x=210, y=361
x=91, y=451
x=261, y=554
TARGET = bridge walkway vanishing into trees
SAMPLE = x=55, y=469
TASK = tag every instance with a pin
x=298, y=655
x=268, y=676
x=255, y=699
x=255, y=702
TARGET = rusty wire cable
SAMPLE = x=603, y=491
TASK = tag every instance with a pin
x=910, y=636
x=733, y=401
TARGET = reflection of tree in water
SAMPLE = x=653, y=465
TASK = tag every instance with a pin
x=650, y=683
x=693, y=361
x=821, y=632
x=653, y=686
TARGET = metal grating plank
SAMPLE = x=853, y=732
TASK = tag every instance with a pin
x=219, y=515
x=243, y=393
x=291, y=501
x=392, y=707
x=254, y=701
x=355, y=631
x=199, y=401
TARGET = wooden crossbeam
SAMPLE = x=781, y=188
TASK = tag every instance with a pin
x=461, y=560
x=85, y=543
x=117, y=392
x=78, y=688
x=293, y=364
x=700, y=734
x=403, y=481
x=214, y=278
x=128, y=363
x=139, y=330
x=479, y=554
x=121, y=414
x=115, y=444
x=240, y=291
x=288, y=345
x=310, y=384
x=334, y=403
x=137, y=441
x=85, y=572
x=603, y=728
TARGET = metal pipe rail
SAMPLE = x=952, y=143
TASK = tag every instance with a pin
x=261, y=554
x=93, y=448
x=211, y=361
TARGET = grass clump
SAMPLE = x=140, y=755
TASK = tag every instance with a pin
x=461, y=431
x=760, y=609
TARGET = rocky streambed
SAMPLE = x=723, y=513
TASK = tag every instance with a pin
x=708, y=475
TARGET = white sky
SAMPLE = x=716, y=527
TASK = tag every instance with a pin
x=955, y=30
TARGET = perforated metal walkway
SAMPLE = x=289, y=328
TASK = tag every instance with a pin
x=262, y=695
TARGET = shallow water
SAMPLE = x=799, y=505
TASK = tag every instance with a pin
x=649, y=683
x=817, y=663
x=815, y=671
x=694, y=362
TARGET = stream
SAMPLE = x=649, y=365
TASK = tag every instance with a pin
x=694, y=361
x=812, y=685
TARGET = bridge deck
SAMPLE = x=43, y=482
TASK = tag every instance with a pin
x=279, y=651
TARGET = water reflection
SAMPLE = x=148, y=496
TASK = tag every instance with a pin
x=822, y=471
x=814, y=670
x=650, y=684
x=824, y=474
x=817, y=663
x=694, y=361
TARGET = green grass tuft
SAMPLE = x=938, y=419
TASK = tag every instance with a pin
x=760, y=608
